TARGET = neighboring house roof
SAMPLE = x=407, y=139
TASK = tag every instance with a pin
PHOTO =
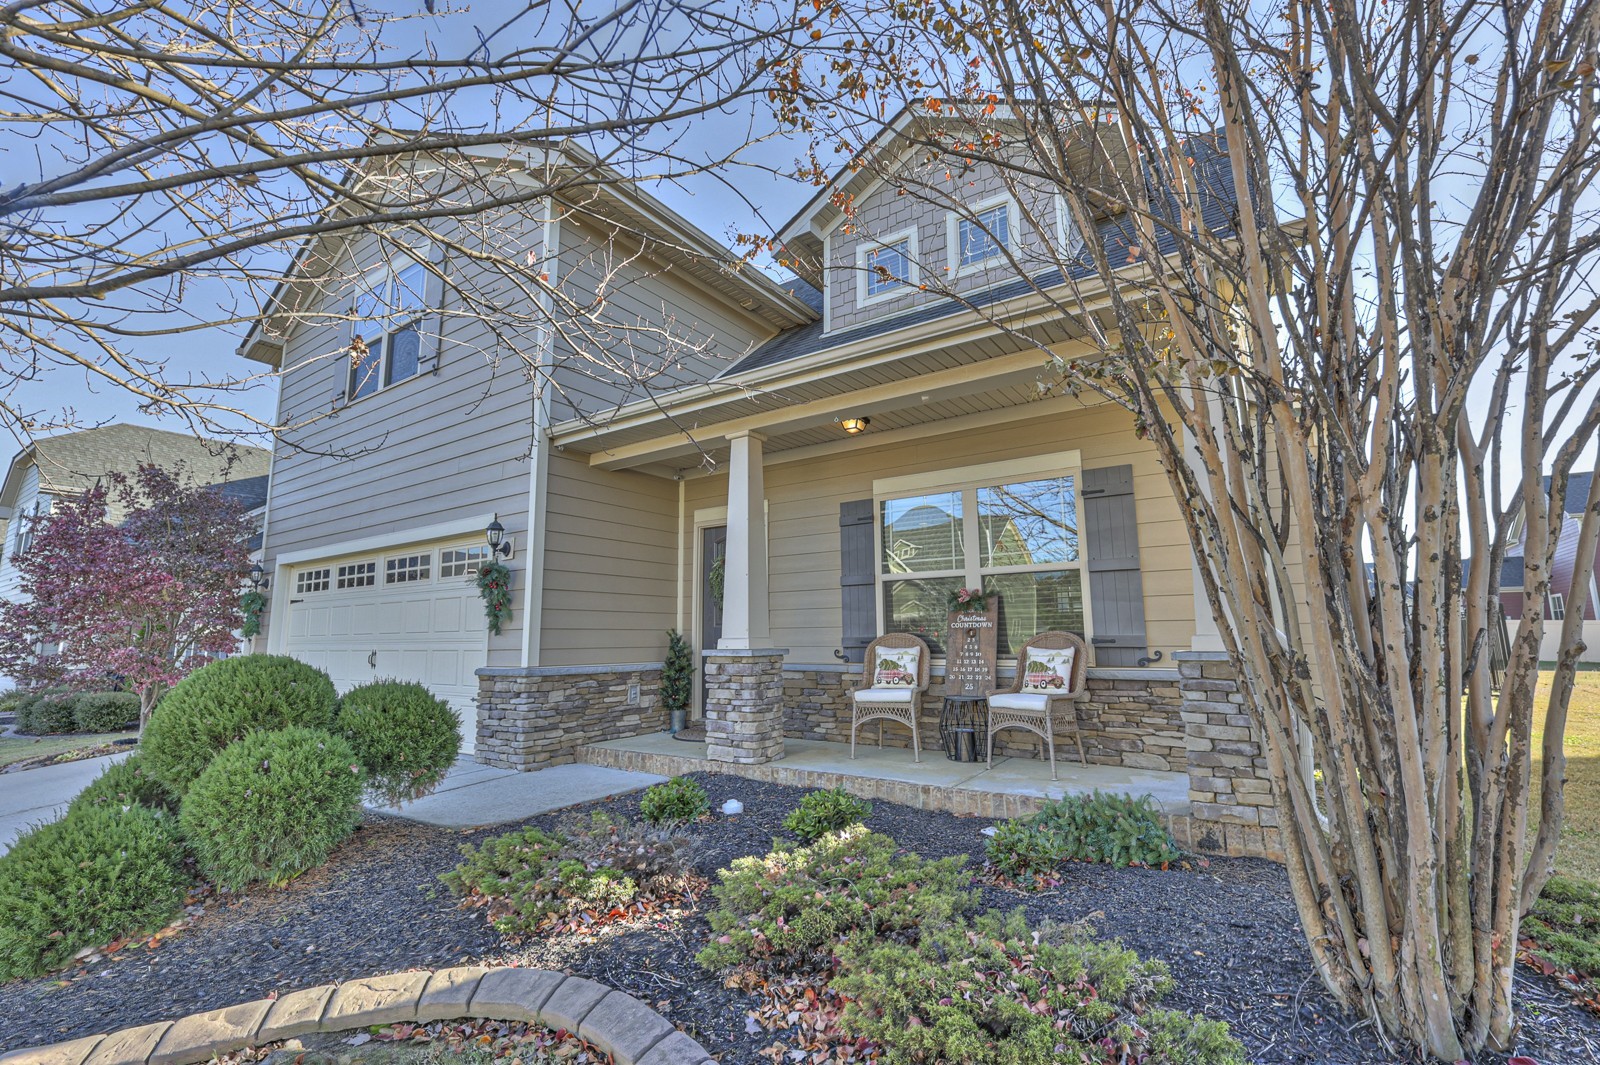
x=251, y=492
x=1577, y=490
x=1219, y=206
x=72, y=463
x=1511, y=573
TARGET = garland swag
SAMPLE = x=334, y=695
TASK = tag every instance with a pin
x=253, y=604
x=494, y=584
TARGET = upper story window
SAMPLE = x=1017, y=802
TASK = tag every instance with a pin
x=887, y=268
x=386, y=341
x=1018, y=539
x=982, y=237
x=26, y=524
x=1558, y=607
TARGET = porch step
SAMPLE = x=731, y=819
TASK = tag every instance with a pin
x=934, y=784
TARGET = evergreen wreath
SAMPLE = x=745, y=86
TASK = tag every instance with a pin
x=965, y=599
x=494, y=584
x=253, y=604
x=718, y=578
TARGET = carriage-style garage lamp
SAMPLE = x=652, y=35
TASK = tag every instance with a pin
x=496, y=535
x=258, y=576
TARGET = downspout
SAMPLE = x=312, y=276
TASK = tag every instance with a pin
x=539, y=449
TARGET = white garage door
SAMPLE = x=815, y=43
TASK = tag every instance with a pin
x=410, y=614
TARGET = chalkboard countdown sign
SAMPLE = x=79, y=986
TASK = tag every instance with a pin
x=970, y=650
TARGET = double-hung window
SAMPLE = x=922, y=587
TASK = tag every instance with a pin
x=387, y=314
x=1015, y=537
x=1558, y=607
x=983, y=237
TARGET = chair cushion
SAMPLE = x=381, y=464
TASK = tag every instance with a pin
x=1022, y=701
x=896, y=667
x=883, y=695
x=1049, y=671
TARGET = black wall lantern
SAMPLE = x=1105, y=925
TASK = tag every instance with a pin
x=499, y=544
x=258, y=577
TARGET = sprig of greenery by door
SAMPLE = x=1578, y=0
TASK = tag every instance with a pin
x=252, y=604
x=494, y=584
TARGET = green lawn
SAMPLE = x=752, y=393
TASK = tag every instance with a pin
x=16, y=748
x=1578, y=854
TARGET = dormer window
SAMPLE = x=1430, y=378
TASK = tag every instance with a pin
x=386, y=344
x=888, y=268
x=983, y=236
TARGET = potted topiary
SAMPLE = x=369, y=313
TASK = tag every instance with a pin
x=677, y=680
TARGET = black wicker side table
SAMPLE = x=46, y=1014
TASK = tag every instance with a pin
x=964, y=727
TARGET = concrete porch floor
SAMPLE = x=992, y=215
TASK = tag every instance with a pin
x=1014, y=787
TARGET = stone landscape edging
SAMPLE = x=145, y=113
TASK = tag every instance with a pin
x=614, y=1021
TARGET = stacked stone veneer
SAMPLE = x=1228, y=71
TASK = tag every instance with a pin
x=1127, y=717
x=539, y=716
x=744, y=705
x=1230, y=792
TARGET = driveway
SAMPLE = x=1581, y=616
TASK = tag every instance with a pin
x=30, y=796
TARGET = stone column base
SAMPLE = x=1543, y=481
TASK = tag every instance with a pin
x=744, y=705
x=1230, y=788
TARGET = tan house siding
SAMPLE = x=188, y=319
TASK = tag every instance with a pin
x=803, y=518
x=610, y=561
x=659, y=331
x=438, y=446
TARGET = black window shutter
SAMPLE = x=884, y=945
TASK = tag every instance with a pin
x=1116, y=588
x=858, y=613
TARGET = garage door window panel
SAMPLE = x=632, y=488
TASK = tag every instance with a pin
x=461, y=561
x=312, y=580
x=358, y=575
x=408, y=569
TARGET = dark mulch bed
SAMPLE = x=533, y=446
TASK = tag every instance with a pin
x=1228, y=931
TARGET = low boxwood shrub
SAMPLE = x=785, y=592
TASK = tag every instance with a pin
x=995, y=992
x=105, y=711
x=788, y=911
x=675, y=801
x=47, y=713
x=530, y=879
x=228, y=700
x=405, y=737
x=127, y=783
x=273, y=805
x=98, y=874
x=828, y=810
x=1564, y=926
x=1103, y=827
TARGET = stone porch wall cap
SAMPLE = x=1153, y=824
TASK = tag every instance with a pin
x=1200, y=656
x=566, y=671
x=744, y=652
x=1156, y=675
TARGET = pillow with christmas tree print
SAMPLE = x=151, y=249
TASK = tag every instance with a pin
x=896, y=667
x=1049, y=672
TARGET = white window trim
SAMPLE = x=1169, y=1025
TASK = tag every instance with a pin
x=1557, y=606
x=907, y=285
x=419, y=256
x=1064, y=253
x=968, y=480
x=952, y=230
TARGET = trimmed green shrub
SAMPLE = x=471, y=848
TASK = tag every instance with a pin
x=105, y=711
x=788, y=911
x=530, y=879
x=46, y=713
x=92, y=877
x=994, y=992
x=226, y=701
x=828, y=810
x=128, y=783
x=1564, y=925
x=1103, y=827
x=675, y=801
x=405, y=738
x=272, y=806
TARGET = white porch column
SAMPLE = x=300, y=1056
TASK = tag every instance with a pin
x=744, y=585
x=1207, y=637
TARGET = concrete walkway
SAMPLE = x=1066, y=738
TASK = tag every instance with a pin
x=474, y=795
x=30, y=796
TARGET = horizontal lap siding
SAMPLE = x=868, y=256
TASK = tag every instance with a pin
x=610, y=560
x=436, y=448
x=803, y=514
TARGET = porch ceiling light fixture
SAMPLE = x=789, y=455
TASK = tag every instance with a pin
x=499, y=544
x=854, y=426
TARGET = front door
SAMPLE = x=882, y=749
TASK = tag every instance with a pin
x=713, y=547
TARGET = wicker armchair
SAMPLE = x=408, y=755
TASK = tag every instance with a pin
x=1039, y=712
x=890, y=704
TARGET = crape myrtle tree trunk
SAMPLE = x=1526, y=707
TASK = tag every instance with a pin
x=165, y=164
x=1338, y=259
